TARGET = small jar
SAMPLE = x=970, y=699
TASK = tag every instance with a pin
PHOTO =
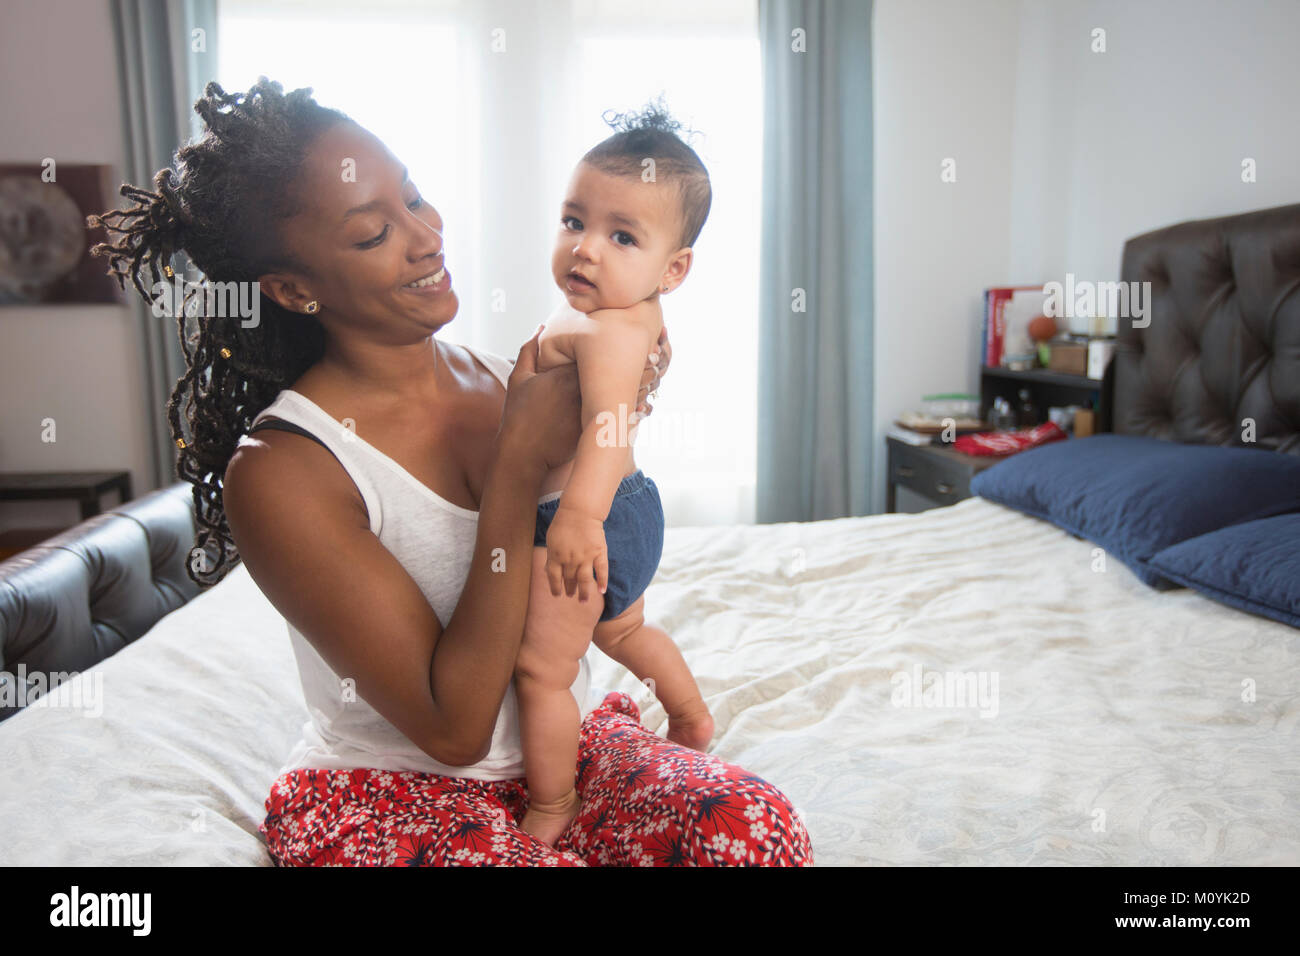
x=1001, y=417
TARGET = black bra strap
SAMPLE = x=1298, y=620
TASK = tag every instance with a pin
x=280, y=424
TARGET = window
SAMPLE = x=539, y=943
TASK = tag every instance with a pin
x=490, y=105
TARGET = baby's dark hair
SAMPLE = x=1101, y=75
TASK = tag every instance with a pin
x=652, y=134
x=222, y=206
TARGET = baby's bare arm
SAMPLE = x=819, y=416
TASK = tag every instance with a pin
x=610, y=353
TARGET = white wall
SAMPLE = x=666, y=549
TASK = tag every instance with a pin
x=75, y=364
x=944, y=81
x=1062, y=153
x=1154, y=130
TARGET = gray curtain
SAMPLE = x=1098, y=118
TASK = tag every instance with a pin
x=163, y=66
x=815, y=351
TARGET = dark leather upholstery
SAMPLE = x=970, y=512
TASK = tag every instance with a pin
x=1223, y=344
x=88, y=592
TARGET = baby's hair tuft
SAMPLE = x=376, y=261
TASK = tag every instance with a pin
x=654, y=116
x=653, y=133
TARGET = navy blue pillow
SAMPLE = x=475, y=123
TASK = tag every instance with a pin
x=1253, y=566
x=1137, y=496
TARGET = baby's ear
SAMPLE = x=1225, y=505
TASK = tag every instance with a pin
x=679, y=266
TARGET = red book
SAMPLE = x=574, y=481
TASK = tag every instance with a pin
x=995, y=303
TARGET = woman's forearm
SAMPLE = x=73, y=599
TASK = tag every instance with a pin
x=475, y=657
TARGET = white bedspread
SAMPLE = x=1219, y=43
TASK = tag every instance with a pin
x=1129, y=726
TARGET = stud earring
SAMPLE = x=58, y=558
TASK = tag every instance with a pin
x=312, y=307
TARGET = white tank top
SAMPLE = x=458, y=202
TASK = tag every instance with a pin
x=433, y=540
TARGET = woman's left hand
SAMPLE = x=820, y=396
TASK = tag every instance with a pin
x=655, y=367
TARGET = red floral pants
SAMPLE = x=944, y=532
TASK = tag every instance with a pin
x=646, y=802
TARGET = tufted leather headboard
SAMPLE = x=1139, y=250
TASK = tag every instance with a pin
x=88, y=592
x=1223, y=342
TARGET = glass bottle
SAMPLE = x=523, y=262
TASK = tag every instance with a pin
x=1001, y=417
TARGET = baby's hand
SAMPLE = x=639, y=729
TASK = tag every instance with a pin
x=575, y=554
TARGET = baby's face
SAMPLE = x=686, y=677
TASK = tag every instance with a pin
x=617, y=236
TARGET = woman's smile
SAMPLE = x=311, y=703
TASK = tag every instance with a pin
x=431, y=284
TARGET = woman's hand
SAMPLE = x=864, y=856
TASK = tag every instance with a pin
x=654, y=372
x=542, y=419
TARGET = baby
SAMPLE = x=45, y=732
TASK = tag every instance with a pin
x=634, y=207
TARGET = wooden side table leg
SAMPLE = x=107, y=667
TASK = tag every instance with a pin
x=889, y=497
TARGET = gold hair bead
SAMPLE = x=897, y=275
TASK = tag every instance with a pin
x=225, y=353
x=180, y=443
x=167, y=271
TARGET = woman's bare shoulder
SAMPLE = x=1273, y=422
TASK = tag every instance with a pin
x=273, y=468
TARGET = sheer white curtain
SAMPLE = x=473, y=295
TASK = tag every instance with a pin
x=490, y=103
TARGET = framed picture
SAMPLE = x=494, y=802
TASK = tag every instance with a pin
x=44, y=241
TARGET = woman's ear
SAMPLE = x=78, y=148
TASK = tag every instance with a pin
x=286, y=291
x=678, y=268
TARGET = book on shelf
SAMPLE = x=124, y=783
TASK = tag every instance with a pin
x=1008, y=310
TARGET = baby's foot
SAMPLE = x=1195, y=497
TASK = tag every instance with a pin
x=548, y=821
x=691, y=726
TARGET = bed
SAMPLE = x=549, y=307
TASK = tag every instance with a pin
x=1089, y=717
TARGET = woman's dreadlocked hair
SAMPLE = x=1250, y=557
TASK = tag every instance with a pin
x=222, y=207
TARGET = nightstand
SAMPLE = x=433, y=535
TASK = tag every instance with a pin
x=936, y=473
x=83, y=487
x=1047, y=388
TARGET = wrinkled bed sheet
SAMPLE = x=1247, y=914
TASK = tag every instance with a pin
x=963, y=686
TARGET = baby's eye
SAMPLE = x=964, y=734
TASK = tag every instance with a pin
x=571, y=222
x=415, y=203
x=624, y=238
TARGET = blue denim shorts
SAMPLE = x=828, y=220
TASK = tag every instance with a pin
x=634, y=539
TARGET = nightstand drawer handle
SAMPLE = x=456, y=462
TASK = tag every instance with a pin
x=943, y=488
x=905, y=472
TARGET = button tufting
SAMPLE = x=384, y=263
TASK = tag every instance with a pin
x=1236, y=350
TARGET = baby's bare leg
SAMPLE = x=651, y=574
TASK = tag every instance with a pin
x=557, y=632
x=648, y=652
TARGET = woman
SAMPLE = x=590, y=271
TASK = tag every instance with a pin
x=384, y=500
